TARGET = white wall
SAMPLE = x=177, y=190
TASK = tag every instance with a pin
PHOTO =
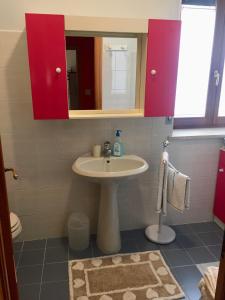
x=43, y=151
x=12, y=12
x=197, y=158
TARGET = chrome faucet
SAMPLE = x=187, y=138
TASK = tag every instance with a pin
x=107, y=151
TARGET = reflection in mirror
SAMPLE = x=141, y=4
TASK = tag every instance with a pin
x=101, y=72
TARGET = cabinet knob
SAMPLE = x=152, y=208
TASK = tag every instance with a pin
x=58, y=70
x=153, y=72
x=221, y=170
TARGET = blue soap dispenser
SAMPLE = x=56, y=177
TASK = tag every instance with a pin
x=118, y=148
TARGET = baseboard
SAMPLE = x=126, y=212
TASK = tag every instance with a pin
x=219, y=223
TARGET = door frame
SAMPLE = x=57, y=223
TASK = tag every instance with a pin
x=220, y=288
x=8, y=284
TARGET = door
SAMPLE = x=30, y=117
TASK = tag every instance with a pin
x=220, y=288
x=8, y=286
x=47, y=60
x=219, y=204
x=161, y=68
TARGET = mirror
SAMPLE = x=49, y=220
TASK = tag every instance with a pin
x=102, y=72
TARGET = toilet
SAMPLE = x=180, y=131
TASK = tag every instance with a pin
x=16, y=226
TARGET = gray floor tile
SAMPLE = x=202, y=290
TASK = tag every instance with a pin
x=81, y=254
x=57, y=242
x=29, y=258
x=96, y=251
x=147, y=245
x=34, y=245
x=56, y=254
x=172, y=246
x=205, y=227
x=215, y=250
x=137, y=234
x=210, y=238
x=17, y=247
x=29, y=274
x=189, y=278
x=192, y=292
x=220, y=234
x=128, y=246
x=55, y=290
x=176, y=258
x=29, y=292
x=55, y=275
x=182, y=229
x=55, y=272
x=200, y=255
x=189, y=241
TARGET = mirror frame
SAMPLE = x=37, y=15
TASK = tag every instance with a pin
x=114, y=27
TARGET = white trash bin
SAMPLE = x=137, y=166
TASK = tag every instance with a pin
x=78, y=231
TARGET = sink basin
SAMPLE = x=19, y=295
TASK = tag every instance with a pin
x=113, y=167
x=109, y=172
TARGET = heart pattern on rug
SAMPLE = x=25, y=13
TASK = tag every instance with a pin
x=141, y=275
x=78, y=266
x=78, y=283
x=96, y=262
x=135, y=257
x=116, y=260
x=153, y=257
x=129, y=296
x=162, y=271
x=170, y=288
x=105, y=297
x=150, y=294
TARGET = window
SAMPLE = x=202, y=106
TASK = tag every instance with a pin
x=200, y=95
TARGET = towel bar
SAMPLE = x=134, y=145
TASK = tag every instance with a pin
x=159, y=233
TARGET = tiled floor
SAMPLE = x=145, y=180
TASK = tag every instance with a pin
x=42, y=265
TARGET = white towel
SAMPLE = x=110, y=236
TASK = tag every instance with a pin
x=178, y=191
x=207, y=284
x=162, y=188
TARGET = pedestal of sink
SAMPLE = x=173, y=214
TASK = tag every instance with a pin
x=109, y=173
x=108, y=233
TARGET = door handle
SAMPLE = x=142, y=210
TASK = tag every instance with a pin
x=15, y=176
x=221, y=170
x=217, y=77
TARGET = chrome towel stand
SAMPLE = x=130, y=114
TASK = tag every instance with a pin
x=159, y=233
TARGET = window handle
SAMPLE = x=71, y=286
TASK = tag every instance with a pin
x=217, y=77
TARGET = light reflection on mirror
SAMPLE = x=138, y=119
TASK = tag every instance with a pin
x=101, y=72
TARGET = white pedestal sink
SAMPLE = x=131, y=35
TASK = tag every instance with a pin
x=109, y=172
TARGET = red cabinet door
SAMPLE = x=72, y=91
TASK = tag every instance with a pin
x=219, y=204
x=161, y=68
x=47, y=59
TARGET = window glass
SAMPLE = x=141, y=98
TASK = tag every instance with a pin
x=222, y=98
x=194, y=61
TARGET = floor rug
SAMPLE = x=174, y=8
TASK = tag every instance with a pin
x=141, y=275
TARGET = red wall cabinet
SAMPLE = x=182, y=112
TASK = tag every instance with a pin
x=219, y=204
x=161, y=68
x=47, y=59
